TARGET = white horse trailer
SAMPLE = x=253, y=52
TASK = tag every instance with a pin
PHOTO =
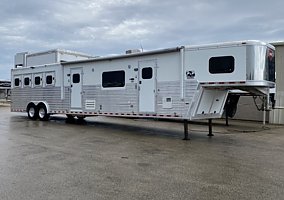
x=187, y=82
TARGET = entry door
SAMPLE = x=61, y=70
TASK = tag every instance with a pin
x=147, y=86
x=76, y=88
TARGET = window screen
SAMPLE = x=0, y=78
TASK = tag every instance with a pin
x=223, y=64
x=27, y=81
x=37, y=80
x=17, y=82
x=147, y=73
x=113, y=79
x=76, y=78
x=49, y=79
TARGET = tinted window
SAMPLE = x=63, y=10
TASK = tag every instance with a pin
x=49, y=79
x=147, y=73
x=270, y=64
x=76, y=78
x=37, y=80
x=113, y=79
x=17, y=82
x=27, y=81
x=219, y=65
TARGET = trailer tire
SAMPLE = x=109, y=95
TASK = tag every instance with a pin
x=42, y=112
x=32, y=111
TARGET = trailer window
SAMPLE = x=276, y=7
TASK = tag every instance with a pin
x=27, y=81
x=222, y=64
x=16, y=82
x=270, y=64
x=76, y=78
x=37, y=80
x=113, y=79
x=147, y=73
x=49, y=79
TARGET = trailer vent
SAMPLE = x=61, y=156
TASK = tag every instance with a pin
x=131, y=51
x=90, y=104
x=167, y=102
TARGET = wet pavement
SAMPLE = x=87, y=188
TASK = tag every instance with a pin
x=114, y=158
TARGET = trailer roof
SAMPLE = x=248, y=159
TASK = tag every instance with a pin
x=229, y=44
x=168, y=50
x=146, y=53
x=61, y=51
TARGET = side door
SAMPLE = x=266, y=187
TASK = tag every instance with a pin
x=76, y=81
x=147, y=86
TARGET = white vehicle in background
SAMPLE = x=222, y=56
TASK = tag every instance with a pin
x=187, y=82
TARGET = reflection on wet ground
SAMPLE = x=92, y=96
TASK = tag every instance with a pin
x=115, y=158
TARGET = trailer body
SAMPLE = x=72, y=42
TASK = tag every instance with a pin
x=187, y=82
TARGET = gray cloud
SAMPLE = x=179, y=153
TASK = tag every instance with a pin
x=101, y=27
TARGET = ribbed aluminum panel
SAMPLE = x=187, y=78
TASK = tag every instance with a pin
x=171, y=89
x=22, y=96
x=115, y=100
x=97, y=99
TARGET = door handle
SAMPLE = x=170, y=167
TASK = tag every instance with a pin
x=140, y=82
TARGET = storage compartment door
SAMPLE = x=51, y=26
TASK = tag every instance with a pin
x=210, y=104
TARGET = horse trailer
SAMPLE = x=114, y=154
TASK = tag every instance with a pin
x=186, y=82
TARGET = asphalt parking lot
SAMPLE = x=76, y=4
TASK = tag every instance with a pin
x=114, y=158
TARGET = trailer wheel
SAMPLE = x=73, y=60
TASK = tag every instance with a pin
x=42, y=112
x=32, y=111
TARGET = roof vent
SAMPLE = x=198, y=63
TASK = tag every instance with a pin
x=131, y=51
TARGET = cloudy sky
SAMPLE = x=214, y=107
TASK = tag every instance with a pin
x=102, y=27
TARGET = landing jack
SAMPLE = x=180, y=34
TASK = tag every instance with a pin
x=210, y=134
x=185, y=125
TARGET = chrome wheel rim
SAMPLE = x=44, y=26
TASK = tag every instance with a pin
x=32, y=112
x=41, y=113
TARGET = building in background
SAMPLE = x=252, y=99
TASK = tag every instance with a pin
x=248, y=108
x=277, y=115
x=5, y=90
